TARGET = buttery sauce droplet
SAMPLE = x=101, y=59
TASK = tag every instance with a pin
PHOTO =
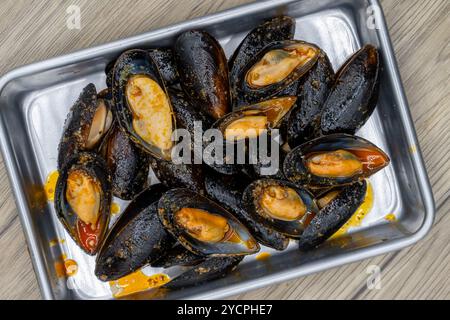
x=137, y=282
x=71, y=267
x=50, y=185
x=54, y=242
x=358, y=216
x=262, y=256
x=390, y=217
x=65, y=267
x=115, y=208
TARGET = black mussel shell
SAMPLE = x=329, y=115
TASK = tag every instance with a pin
x=354, y=95
x=304, y=121
x=88, y=231
x=87, y=122
x=254, y=85
x=203, y=72
x=178, y=256
x=213, y=231
x=137, y=65
x=273, y=30
x=136, y=239
x=212, y=268
x=128, y=164
x=179, y=175
x=164, y=59
x=293, y=206
x=334, y=215
x=333, y=160
x=228, y=190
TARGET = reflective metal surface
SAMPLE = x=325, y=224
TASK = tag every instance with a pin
x=35, y=99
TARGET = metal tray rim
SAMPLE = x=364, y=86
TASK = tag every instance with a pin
x=323, y=264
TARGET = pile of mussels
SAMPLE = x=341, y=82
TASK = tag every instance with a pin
x=208, y=217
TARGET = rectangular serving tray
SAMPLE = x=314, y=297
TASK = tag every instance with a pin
x=35, y=99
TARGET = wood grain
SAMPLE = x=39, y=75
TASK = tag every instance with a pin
x=36, y=30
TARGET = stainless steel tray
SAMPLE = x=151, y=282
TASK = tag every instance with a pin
x=35, y=99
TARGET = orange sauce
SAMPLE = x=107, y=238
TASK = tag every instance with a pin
x=390, y=217
x=54, y=242
x=50, y=185
x=359, y=214
x=137, y=282
x=88, y=237
x=65, y=267
x=262, y=256
x=115, y=208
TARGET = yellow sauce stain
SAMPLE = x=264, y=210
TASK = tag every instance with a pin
x=359, y=214
x=115, y=208
x=71, y=267
x=390, y=217
x=65, y=267
x=412, y=149
x=137, y=282
x=263, y=256
x=54, y=242
x=50, y=185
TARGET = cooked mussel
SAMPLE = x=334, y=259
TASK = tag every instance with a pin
x=202, y=226
x=87, y=122
x=227, y=190
x=280, y=205
x=273, y=30
x=210, y=269
x=83, y=200
x=136, y=239
x=128, y=164
x=337, y=206
x=334, y=160
x=354, y=95
x=304, y=120
x=203, y=72
x=141, y=103
x=276, y=67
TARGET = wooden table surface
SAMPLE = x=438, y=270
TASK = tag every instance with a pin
x=36, y=30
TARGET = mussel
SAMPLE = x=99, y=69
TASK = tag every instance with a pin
x=240, y=126
x=203, y=72
x=313, y=90
x=227, y=190
x=280, y=205
x=141, y=103
x=136, y=239
x=128, y=164
x=83, y=200
x=354, y=95
x=202, y=226
x=276, y=29
x=337, y=206
x=178, y=256
x=333, y=160
x=88, y=121
x=276, y=67
x=210, y=269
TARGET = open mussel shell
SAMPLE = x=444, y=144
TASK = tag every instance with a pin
x=338, y=207
x=202, y=226
x=83, y=200
x=141, y=103
x=87, y=123
x=354, y=95
x=304, y=121
x=280, y=205
x=203, y=70
x=136, y=239
x=275, y=68
x=227, y=190
x=273, y=30
x=128, y=164
x=210, y=269
x=333, y=160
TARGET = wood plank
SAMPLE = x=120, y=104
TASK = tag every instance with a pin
x=34, y=30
